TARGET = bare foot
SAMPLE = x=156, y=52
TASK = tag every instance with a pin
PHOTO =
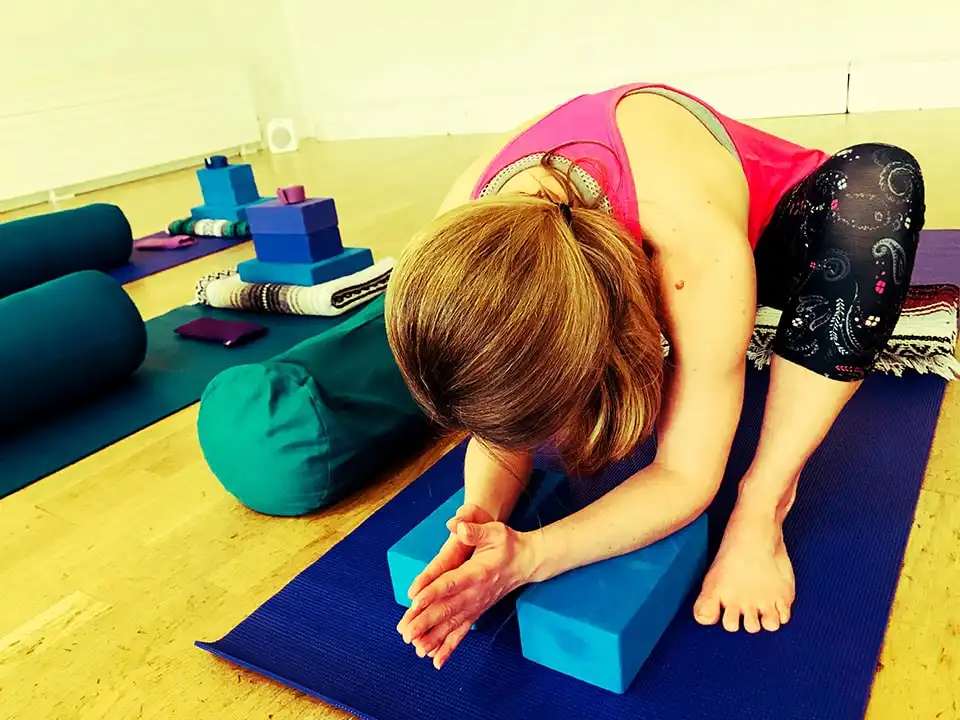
x=751, y=576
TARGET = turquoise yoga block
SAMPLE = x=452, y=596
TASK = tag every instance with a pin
x=351, y=260
x=408, y=557
x=224, y=212
x=600, y=622
x=229, y=185
x=235, y=195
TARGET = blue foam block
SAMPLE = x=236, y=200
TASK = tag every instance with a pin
x=311, y=215
x=408, y=557
x=231, y=195
x=224, y=212
x=222, y=180
x=298, y=247
x=599, y=623
x=351, y=260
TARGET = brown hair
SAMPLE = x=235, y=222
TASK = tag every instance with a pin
x=512, y=324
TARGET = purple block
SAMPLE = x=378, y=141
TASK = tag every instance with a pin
x=298, y=248
x=309, y=216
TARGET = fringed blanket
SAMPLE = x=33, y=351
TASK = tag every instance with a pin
x=924, y=339
x=226, y=290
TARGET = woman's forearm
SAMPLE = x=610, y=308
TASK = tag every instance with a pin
x=652, y=504
x=495, y=479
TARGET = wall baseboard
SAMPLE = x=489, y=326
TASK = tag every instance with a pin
x=41, y=198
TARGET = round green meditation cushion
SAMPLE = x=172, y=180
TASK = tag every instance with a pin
x=298, y=433
x=36, y=249
x=65, y=341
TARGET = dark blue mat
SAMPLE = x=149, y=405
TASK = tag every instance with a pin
x=149, y=262
x=173, y=376
x=331, y=632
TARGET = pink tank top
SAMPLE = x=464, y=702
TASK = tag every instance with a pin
x=584, y=130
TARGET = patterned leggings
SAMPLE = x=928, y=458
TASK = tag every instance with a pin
x=837, y=256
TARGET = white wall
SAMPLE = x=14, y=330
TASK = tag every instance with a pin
x=265, y=49
x=103, y=89
x=377, y=67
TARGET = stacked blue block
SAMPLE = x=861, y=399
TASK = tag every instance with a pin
x=228, y=192
x=408, y=557
x=599, y=623
x=300, y=218
x=294, y=248
x=351, y=260
x=299, y=243
x=230, y=185
x=305, y=232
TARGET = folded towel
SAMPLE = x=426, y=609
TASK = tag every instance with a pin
x=924, y=339
x=227, y=291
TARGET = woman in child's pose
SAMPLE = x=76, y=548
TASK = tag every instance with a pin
x=530, y=312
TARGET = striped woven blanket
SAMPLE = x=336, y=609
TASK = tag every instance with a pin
x=227, y=291
x=924, y=339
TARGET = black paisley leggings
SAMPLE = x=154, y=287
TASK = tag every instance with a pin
x=837, y=256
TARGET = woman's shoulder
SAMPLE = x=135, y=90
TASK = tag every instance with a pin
x=678, y=168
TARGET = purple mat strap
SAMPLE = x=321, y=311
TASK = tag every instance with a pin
x=148, y=262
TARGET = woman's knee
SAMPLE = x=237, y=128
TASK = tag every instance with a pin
x=888, y=171
x=873, y=188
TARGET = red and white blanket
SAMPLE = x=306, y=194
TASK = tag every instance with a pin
x=924, y=339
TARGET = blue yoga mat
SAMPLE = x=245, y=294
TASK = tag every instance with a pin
x=331, y=632
x=143, y=263
x=173, y=376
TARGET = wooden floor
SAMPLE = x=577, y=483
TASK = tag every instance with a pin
x=111, y=569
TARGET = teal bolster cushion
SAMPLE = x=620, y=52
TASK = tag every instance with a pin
x=301, y=431
x=45, y=247
x=65, y=341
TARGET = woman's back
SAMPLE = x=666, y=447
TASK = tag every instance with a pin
x=641, y=144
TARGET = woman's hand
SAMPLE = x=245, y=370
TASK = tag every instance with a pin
x=443, y=611
x=453, y=553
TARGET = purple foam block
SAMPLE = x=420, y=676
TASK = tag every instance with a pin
x=299, y=247
x=310, y=216
x=291, y=195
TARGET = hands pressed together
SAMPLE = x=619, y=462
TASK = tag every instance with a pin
x=481, y=562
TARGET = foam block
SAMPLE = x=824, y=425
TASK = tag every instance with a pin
x=229, y=185
x=235, y=195
x=309, y=216
x=408, y=557
x=298, y=247
x=351, y=260
x=599, y=623
x=225, y=212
